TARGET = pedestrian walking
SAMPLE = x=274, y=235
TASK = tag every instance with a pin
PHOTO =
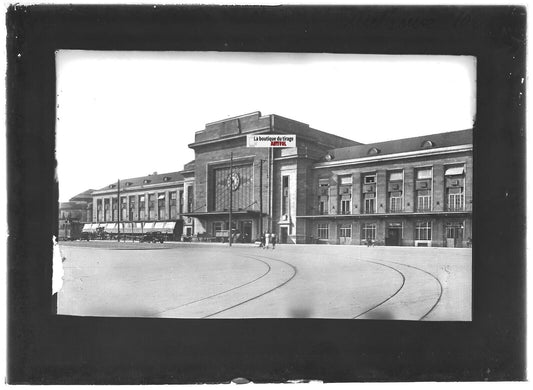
x=273, y=239
x=262, y=240
x=267, y=240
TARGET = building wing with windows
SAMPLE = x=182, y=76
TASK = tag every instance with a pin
x=327, y=189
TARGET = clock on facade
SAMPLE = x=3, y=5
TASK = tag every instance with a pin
x=233, y=180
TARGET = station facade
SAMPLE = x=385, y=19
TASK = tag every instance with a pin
x=327, y=189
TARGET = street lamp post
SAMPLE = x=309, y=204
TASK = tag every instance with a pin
x=261, y=196
x=230, y=184
x=119, y=210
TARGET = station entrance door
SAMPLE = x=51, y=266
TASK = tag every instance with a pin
x=394, y=234
x=284, y=233
x=246, y=230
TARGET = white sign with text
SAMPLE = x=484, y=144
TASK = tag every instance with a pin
x=271, y=141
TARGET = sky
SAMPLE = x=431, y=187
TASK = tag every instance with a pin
x=128, y=114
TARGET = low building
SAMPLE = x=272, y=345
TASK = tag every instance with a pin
x=328, y=189
x=74, y=214
x=141, y=205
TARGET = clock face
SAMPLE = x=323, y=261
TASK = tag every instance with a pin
x=233, y=181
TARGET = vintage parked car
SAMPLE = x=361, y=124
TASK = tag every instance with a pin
x=153, y=237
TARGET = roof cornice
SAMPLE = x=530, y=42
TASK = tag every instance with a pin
x=138, y=188
x=395, y=156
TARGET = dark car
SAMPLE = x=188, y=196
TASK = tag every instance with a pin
x=153, y=237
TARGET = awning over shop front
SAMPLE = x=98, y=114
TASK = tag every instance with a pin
x=132, y=227
x=163, y=227
x=159, y=225
x=168, y=227
x=126, y=227
x=111, y=228
x=87, y=228
x=148, y=227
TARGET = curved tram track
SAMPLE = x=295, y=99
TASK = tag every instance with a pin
x=403, y=284
x=222, y=301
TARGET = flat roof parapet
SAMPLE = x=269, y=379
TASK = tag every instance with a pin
x=233, y=126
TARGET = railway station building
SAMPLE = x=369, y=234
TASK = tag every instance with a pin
x=325, y=190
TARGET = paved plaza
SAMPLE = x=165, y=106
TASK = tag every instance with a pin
x=195, y=280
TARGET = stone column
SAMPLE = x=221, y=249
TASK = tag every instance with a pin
x=167, y=204
x=439, y=192
x=381, y=191
x=356, y=194
x=333, y=196
x=146, y=206
x=409, y=185
x=95, y=210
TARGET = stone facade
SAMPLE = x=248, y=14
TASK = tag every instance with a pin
x=327, y=189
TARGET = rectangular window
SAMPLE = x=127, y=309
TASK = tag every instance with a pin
x=345, y=194
x=142, y=207
x=345, y=180
x=322, y=207
x=423, y=189
x=151, y=207
x=395, y=202
x=424, y=173
x=173, y=198
x=99, y=210
x=454, y=230
x=114, y=205
x=190, y=198
x=395, y=191
x=423, y=201
x=394, y=176
x=323, y=196
x=323, y=231
x=123, y=208
x=423, y=231
x=132, y=208
x=346, y=206
x=323, y=183
x=455, y=183
x=369, y=179
x=370, y=204
x=456, y=199
x=285, y=195
x=345, y=231
x=368, y=231
x=369, y=194
x=161, y=199
x=173, y=205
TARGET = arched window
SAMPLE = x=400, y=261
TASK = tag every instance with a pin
x=373, y=151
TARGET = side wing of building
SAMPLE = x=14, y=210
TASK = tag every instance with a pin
x=415, y=192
